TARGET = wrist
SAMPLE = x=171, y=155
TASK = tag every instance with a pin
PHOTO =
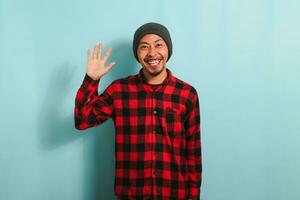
x=93, y=78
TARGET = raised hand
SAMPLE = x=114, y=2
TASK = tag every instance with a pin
x=96, y=65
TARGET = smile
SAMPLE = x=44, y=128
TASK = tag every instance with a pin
x=154, y=62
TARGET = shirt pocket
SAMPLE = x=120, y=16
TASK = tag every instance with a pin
x=173, y=123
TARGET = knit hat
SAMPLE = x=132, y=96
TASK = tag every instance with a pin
x=153, y=28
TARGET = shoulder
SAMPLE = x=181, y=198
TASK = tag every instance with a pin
x=121, y=83
x=125, y=80
x=187, y=87
x=189, y=93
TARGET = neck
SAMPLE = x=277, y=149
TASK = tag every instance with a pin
x=155, y=79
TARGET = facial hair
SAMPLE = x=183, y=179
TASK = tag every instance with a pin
x=153, y=74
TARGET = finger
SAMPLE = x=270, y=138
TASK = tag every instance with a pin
x=100, y=50
x=95, y=52
x=109, y=67
x=89, y=55
x=107, y=54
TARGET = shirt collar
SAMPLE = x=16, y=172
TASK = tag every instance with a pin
x=168, y=79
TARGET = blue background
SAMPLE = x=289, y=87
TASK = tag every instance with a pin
x=241, y=56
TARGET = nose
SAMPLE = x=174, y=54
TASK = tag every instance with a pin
x=151, y=51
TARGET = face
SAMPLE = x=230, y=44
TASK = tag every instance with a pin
x=152, y=53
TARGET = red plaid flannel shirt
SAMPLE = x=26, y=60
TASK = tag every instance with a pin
x=157, y=141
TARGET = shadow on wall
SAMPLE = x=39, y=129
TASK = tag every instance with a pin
x=57, y=129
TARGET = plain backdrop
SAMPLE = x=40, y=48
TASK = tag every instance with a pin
x=242, y=56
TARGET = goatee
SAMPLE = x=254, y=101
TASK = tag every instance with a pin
x=155, y=73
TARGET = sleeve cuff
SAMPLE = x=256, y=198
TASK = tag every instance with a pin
x=89, y=80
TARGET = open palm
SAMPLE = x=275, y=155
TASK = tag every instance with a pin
x=96, y=64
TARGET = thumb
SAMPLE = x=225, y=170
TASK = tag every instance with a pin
x=108, y=68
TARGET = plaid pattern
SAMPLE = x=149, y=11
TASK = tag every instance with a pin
x=157, y=142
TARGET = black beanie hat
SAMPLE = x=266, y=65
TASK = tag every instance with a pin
x=153, y=28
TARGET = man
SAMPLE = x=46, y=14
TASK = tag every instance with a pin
x=156, y=117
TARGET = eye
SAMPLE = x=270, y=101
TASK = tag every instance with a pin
x=143, y=46
x=159, y=45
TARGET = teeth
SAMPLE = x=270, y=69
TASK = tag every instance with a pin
x=153, y=62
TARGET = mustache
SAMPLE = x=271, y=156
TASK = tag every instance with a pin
x=159, y=56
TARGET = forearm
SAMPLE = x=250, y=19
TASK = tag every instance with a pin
x=83, y=102
x=194, y=155
x=194, y=160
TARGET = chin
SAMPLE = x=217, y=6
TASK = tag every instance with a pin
x=155, y=72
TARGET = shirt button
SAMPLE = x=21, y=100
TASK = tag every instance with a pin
x=154, y=112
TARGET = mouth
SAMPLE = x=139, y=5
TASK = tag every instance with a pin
x=153, y=62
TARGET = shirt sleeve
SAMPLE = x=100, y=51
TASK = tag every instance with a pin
x=193, y=139
x=90, y=109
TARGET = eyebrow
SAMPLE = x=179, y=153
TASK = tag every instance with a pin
x=148, y=43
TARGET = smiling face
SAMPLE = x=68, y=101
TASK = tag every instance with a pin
x=152, y=53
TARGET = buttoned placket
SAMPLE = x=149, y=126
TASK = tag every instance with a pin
x=154, y=112
x=155, y=116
